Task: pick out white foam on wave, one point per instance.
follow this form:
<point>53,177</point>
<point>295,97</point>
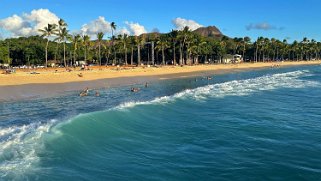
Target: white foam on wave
<point>234,88</point>
<point>19,148</point>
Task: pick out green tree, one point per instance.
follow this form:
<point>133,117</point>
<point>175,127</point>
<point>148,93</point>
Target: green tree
<point>140,41</point>
<point>100,37</point>
<point>173,36</point>
<point>86,44</point>
<point>63,35</point>
<point>61,24</point>
<point>75,40</point>
<point>113,28</point>
<point>124,41</point>
<point>162,44</point>
<point>48,31</point>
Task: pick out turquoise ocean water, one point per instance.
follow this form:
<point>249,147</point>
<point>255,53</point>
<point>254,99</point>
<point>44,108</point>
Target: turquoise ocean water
<point>256,125</point>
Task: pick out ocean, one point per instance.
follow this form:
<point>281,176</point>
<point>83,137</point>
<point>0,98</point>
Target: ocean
<point>253,125</point>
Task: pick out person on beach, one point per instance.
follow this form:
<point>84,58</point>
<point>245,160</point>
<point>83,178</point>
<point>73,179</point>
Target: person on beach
<point>146,84</point>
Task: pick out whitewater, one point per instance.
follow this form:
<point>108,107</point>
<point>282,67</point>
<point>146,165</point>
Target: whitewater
<point>262,124</point>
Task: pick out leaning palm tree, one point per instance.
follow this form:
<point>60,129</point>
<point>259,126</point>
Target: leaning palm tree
<point>113,28</point>
<point>47,31</point>
<point>100,36</point>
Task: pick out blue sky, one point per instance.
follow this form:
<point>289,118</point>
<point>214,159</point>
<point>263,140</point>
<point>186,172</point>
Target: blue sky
<point>290,19</point>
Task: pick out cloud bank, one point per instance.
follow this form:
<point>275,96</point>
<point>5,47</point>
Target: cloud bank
<point>94,27</point>
<point>28,23</point>
<point>262,26</point>
<point>180,23</point>
<point>102,25</point>
<point>135,28</point>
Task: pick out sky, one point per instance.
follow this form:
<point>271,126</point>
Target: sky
<point>281,19</point>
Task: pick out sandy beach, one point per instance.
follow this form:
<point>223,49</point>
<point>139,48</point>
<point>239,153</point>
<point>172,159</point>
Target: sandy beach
<point>29,83</point>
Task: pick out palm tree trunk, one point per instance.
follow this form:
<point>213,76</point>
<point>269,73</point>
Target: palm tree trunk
<point>99,54</point>
<point>243,56</point>
<point>85,54</point>
<point>180,54</point>
<point>57,49</point>
<point>74,57</point>
<point>138,55</point>
<point>125,55</point>
<point>132,57</point>
<point>256,51</point>
<point>163,56</point>
<point>65,64</point>
<point>174,53</point>
<point>153,54</point>
<point>47,53</point>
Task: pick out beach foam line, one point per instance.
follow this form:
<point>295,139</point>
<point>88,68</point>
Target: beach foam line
<point>19,148</point>
<point>234,88</point>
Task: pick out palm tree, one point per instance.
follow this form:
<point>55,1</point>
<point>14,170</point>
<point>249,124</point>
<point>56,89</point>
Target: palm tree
<point>124,40</point>
<point>61,24</point>
<point>258,44</point>
<point>173,34</point>
<point>63,35</point>
<point>245,42</point>
<point>75,40</point>
<point>162,44</point>
<point>47,31</point>
<point>100,36</point>
<point>198,47</point>
<point>113,28</point>
<point>86,43</point>
<point>132,43</point>
<point>183,38</point>
<point>140,40</point>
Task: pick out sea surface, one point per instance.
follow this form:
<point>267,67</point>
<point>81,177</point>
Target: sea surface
<point>255,125</point>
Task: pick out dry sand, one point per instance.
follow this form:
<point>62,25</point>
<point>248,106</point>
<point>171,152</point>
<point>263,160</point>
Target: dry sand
<point>23,84</point>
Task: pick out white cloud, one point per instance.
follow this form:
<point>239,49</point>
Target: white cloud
<point>180,23</point>
<point>123,31</point>
<point>96,26</point>
<point>29,23</point>
<point>102,25</point>
<point>135,28</point>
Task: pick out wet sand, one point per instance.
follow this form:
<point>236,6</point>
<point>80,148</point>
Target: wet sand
<point>52,82</point>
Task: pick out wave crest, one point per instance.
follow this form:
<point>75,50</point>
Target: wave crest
<point>234,88</point>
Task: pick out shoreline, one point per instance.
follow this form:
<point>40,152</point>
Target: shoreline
<point>48,83</point>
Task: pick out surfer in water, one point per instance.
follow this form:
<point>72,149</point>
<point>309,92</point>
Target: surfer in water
<point>85,92</point>
<point>134,89</point>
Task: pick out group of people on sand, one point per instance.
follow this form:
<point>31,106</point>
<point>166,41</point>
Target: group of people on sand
<point>85,92</point>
